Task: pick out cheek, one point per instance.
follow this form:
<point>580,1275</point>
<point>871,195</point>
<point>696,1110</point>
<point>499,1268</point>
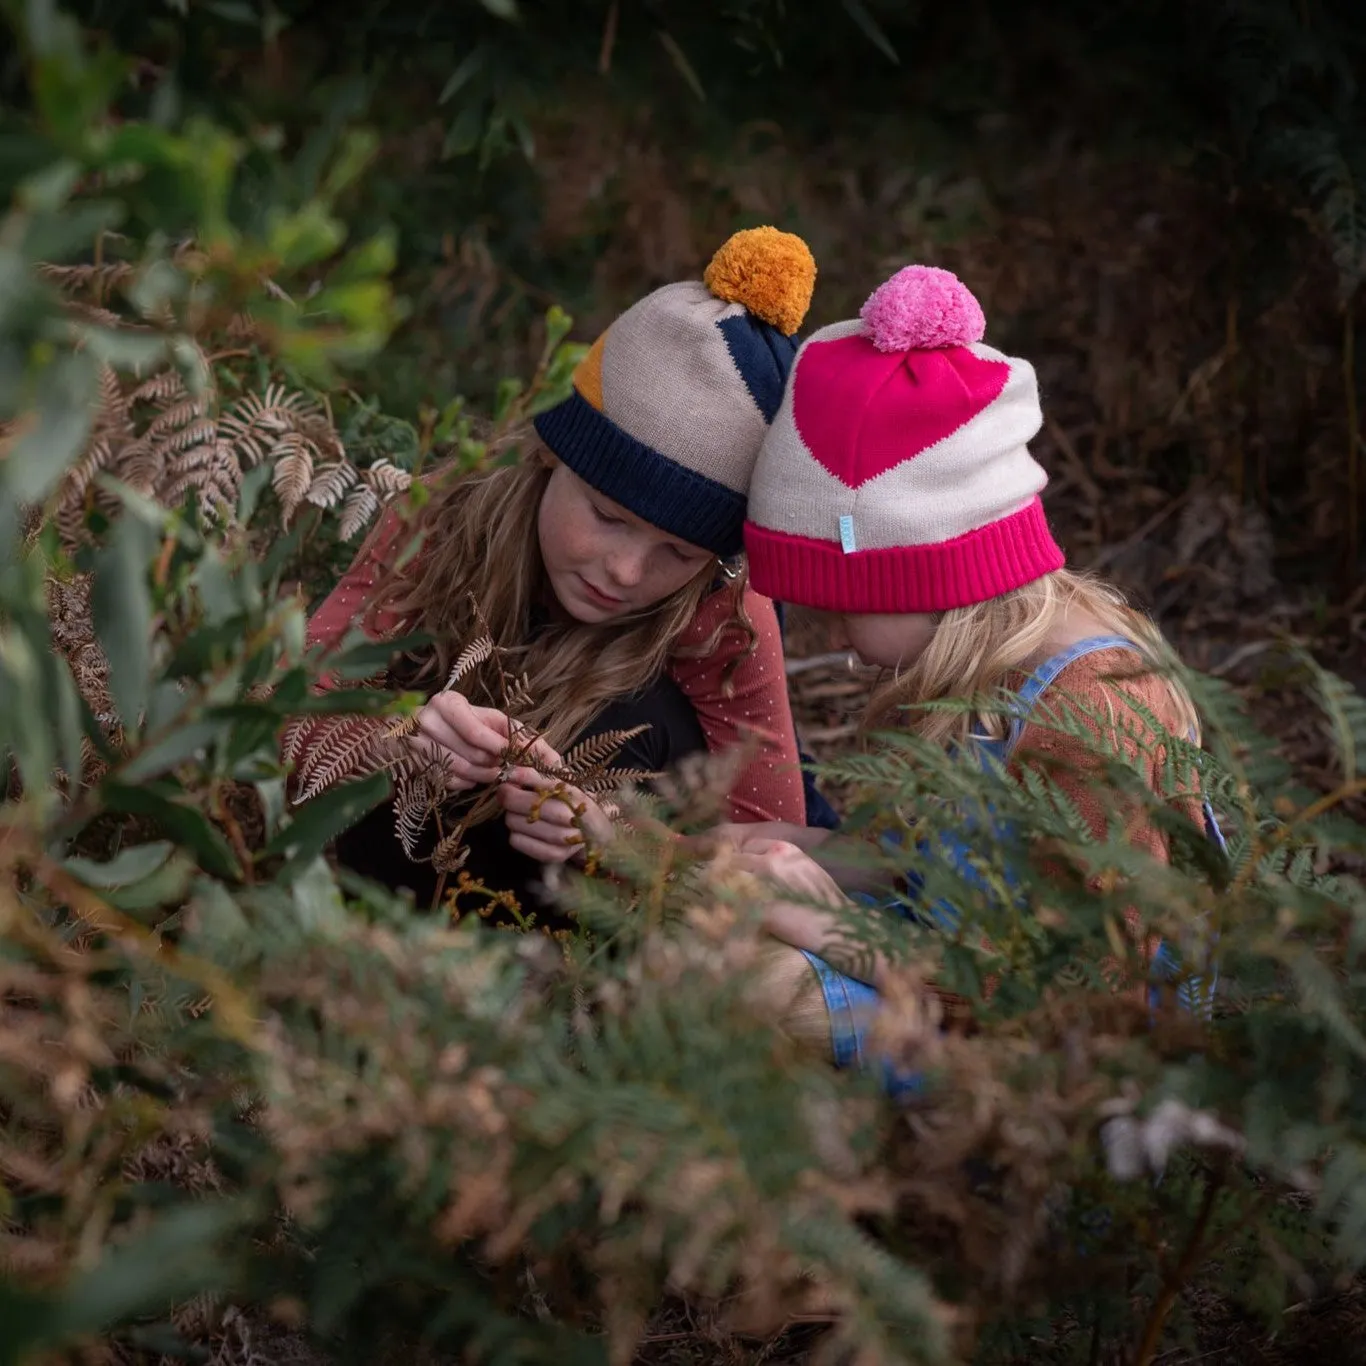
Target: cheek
<point>562,531</point>
<point>887,644</point>
<point>671,574</point>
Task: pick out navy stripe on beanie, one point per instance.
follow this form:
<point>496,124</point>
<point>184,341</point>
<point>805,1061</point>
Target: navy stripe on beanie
<point>675,499</point>
<point>762,355</point>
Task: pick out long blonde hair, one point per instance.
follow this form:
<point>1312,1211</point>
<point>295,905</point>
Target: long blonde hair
<point>480,545</point>
<point>976,650</point>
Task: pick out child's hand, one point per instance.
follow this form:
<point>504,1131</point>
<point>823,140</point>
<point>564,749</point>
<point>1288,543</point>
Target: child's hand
<point>551,829</point>
<point>790,869</point>
<point>742,834</point>
<point>468,741</point>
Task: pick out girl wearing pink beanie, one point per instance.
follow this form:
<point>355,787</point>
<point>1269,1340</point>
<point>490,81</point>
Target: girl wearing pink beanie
<point>895,491</point>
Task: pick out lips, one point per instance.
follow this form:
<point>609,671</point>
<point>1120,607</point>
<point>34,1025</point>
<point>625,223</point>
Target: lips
<point>598,596</point>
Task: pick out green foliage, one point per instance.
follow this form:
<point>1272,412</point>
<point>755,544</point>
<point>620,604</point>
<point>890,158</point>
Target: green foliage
<point>226,1072</point>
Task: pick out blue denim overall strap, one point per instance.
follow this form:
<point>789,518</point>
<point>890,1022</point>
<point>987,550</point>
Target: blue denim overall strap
<point>1193,994</point>
<point>851,1003</point>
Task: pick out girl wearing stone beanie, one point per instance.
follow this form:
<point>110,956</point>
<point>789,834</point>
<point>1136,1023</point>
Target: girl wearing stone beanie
<point>895,492</point>
<point>606,562</point>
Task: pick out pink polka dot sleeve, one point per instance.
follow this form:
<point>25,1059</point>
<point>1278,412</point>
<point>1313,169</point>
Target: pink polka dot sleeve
<point>755,710</point>
<point>345,606</point>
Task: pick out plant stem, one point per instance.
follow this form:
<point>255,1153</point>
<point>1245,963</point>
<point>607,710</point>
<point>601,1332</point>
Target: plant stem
<point>1173,1282</point>
<point>1349,369</point>
<point>235,836</point>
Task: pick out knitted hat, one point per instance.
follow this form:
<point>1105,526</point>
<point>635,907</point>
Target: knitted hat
<point>671,403</point>
<point>896,475</point>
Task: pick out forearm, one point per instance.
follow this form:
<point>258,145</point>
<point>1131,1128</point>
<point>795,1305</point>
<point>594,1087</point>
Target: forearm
<point>817,931</point>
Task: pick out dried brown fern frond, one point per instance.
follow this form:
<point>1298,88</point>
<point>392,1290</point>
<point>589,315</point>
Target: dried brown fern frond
<point>386,478</point>
<point>519,696</point>
<point>470,658</point>
<point>357,745</point>
<point>417,797</point>
<point>588,756</point>
<point>612,779</point>
<point>293,474</point>
<point>334,749</point>
<point>403,727</point>
<point>330,484</point>
<point>360,507</point>
<point>451,853</point>
<point>166,435</point>
<point>98,278</point>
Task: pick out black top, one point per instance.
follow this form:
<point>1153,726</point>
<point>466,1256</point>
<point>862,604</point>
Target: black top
<point>372,848</point>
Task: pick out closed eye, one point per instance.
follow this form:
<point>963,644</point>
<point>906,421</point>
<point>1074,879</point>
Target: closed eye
<point>604,517</point>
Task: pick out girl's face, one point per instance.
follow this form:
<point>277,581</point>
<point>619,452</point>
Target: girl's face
<point>603,561</point>
<point>890,641</point>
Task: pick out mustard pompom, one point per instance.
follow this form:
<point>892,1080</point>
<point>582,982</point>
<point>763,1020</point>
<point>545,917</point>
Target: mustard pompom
<point>771,273</point>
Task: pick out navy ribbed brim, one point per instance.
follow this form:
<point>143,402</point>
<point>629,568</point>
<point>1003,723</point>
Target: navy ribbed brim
<point>664,493</point>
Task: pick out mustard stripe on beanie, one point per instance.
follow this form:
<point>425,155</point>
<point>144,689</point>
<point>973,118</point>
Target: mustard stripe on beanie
<point>672,402</point>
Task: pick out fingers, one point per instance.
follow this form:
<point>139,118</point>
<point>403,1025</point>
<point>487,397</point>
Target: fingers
<point>540,751</point>
<point>465,761</point>
<point>536,807</point>
<point>530,807</point>
<point>479,733</point>
<point>460,774</point>
<point>790,868</point>
<point>542,850</point>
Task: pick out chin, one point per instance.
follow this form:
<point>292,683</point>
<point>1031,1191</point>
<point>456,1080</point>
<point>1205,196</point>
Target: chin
<point>582,608</point>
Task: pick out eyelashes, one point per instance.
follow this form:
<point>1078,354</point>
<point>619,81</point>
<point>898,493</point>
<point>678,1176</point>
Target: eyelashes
<point>682,554</point>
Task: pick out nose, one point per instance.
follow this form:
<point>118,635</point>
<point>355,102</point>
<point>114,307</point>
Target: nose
<point>626,565</point>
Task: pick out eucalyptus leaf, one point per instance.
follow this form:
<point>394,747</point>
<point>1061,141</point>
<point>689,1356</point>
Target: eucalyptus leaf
<point>130,865</point>
<point>184,823</point>
<point>171,750</point>
<point>24,709</point>
<point>164,887</point>
<point>216,921</point>
<point>121,605</point>
<point>317,822</point>
<point>62,411</point>
<point>254,484</point>
<point>175,1258</point>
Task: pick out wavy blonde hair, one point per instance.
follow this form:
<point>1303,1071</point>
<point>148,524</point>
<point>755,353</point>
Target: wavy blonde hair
<point>977,650</point>
<point>479,544</point>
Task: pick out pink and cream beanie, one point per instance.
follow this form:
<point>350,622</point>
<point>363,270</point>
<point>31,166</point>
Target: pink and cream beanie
<point>896,476</point>
<point>671,404</point>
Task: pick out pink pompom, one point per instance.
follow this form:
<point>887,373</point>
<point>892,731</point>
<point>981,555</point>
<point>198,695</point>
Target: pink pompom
<point>922,308</point>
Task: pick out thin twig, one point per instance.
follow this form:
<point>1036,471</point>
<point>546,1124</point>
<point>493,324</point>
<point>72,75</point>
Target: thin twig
<point>1168,509</point>
<point>801,666</point>
<point>1173,1282</point>
<point>609,39</point>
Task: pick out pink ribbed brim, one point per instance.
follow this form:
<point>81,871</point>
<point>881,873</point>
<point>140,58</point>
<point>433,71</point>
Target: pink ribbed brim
<point>986,563</point>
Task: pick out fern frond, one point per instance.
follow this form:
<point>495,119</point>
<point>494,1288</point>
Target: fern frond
<point>415,798</point>
<point>386,478</point>
<point>519,696</point>
<point>451,853</point>
<point>327,737</point>
<point>360,506</point>
<point>159,388</point>
<point>295,732</point>
<point>469,658</point>
<point>102,277</point>
<point>178,415</point>
<point>594,753</point>
<point>293,473</point>
<point>330,484</point>
<point>614,778</point>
